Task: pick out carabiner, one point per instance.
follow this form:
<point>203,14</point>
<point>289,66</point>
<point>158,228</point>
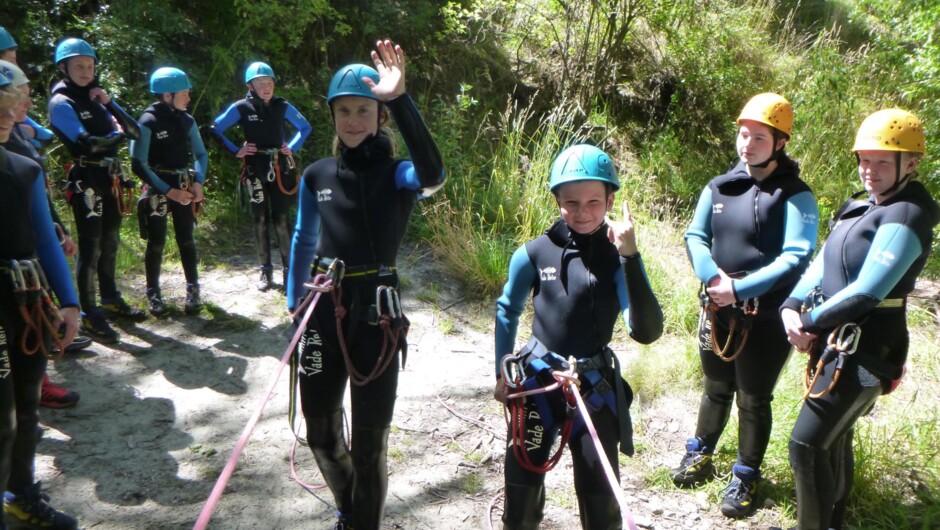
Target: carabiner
<point>846,344</point>
<point>272,174</point>
<point>507,372</point>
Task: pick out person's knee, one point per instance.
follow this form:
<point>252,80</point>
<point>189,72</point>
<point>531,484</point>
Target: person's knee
<point>719,391</point>
<point>754,403</point>
<point>803,456</point>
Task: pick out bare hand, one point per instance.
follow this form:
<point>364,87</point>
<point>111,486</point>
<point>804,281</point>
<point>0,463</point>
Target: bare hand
<point>622,233</point>
<point>247,149</point>
<point>98,94</point>
<point>500,393</point>
<point>69,316</point>
<point>197,192</point>
<point>68,246</point>
<point>798,337</point>
<point>722,291</point>
<point>389,61</point>
<point>286,150</point>
<point>181,196</point>
<point>28,130</point>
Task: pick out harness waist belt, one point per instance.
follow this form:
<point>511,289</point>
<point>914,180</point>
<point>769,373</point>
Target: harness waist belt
<point>357,271</point>
<point>891,303</point>
<point>93,162</point>
<point>180,171</point>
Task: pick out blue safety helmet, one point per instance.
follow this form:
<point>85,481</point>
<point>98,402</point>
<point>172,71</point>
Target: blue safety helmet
<point>4,81</point>
<point>583,162</point>
<point>73,47</point>
<point>6,40</point>
<point>348,82</point>
<point>259,69</point>
<point>168,80</point>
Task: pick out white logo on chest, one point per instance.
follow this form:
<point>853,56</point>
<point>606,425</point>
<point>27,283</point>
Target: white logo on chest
<point>84,115</point>
<point>548,274</point>
<point>325,195</point>
<point>253,117</point>
<point>717,208</point>
<point>162,135</point>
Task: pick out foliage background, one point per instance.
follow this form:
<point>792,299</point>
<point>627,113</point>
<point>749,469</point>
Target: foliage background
<point>506,84</point>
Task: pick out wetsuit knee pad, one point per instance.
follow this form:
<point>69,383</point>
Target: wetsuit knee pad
<point>369,446</point>
<point>523,507</point>
<point>600,512</point>
<point>754,403</point>
<point>804,457</point>
<point>326,432</point>
<point>719,391</point>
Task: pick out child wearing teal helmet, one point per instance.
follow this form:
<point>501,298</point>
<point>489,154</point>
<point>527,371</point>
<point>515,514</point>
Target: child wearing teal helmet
<point>269,171</point>
<point>583,274</point>
<point>172,160</point>
<point>354,209</point>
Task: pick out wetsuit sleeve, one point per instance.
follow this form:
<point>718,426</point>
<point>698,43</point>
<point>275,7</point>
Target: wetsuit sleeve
<point>811,279</point>
<point>510,305</point>
<point>301,124</point>
<point>129,124</point>
<point>221,123</point>
<point>48,249</point>
<point>698,239</point>
<point>65,120</point>
<point>426,171</point>
<point>304,246</point>
<point>140,154</point>
<point>43,135</point>
<point>199,151</point>
<point>893,250</point>
<point>641,311</point>
<point>801,222</point>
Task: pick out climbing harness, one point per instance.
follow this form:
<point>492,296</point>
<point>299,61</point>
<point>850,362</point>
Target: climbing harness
<point>321,283</point>
<point>186,179</point>
<point>386,313</point>
<point>741,315</point>
<point>274,173</point>
<point>566,379</point>
<point>843,341</point>
<point>40,315</point>
<point>122,189</point>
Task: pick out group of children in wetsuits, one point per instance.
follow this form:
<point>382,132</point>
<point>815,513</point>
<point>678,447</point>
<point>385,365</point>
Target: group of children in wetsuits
<point>750,242</point>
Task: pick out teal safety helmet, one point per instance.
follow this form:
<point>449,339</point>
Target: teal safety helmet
<point>583,162</point>
<point>168,80</point>
<point>6,40</point>
<point>13,73</point>
<point>258,69</point>
<point>73,47</point>
<point>348,82</point>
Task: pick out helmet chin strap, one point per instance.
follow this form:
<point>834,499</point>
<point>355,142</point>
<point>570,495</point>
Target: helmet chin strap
<point>900,180</point>
<point>773,156</point>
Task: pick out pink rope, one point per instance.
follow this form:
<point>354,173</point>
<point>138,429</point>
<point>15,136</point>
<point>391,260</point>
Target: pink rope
<point>321,284</point>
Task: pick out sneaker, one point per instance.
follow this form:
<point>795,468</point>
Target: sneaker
<point>266,281</point>
<point>96,326</point>
<point>78,343</point>
<point>117,308</point>
<point>737,498</point>
<point>29,509</point>
<point>696,466</point>
<point>193,300</point>
<point>56,397</point>
<point>158,307</point>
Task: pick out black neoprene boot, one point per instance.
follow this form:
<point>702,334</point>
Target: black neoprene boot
<point>325,436</point>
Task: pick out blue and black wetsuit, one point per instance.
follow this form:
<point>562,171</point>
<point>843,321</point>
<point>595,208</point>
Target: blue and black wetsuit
<point>263,124</point>
<point>163,159</point>
<point>863,275</point>
<point>42,136</point>
<point>355,208</point>
<point>28,235</point>
<point>92,133</point>
<point>579,286</point>
<point>762,233</point>
<point>20,144</point>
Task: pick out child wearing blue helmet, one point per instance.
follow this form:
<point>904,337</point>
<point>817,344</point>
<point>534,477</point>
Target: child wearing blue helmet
<point>172,160</point>
<point>583,274</point>
<point>354,210</point>
<point>269,170</point>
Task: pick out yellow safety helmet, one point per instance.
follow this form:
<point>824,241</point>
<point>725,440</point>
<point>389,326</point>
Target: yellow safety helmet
<point>770,109</point>
<point>891,130</point>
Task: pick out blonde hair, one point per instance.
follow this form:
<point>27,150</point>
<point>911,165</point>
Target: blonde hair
<point>10,97</point>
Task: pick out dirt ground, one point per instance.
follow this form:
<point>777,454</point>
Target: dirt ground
<point>161,411</point>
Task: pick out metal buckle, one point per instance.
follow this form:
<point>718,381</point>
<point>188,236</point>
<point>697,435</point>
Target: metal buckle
<point>846,342</point>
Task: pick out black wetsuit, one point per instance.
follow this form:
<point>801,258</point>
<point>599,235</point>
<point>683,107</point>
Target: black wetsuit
<point>20,144</point>
<point>762,233</point>
<point>92,134</point>
<point>863,274</point>
<point>580,286</point>
<point>28,234</point>
<point>356,208</point>
<point>263,125</point>
<point>162,158</point>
